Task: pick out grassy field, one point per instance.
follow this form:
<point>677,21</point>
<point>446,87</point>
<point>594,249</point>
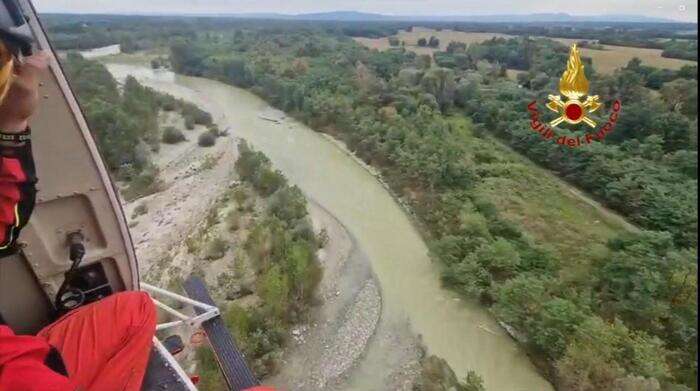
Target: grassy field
<point>614,57</point>
<point>548,209</point>
<point>411,38</point>
<point>605,61</point>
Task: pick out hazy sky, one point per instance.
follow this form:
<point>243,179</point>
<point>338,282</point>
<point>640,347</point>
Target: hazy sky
<point>685,10</point>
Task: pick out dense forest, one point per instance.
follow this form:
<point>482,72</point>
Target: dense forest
<point>631,315</point>
<point>626,315</point>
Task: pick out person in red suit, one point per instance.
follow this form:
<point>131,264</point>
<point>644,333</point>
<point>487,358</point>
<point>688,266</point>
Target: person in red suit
<point>103,346</point>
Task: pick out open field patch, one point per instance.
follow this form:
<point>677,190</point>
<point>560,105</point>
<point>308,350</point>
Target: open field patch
<point>605,61</point>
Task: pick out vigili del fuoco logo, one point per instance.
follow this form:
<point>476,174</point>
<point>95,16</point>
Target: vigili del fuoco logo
<point>573,109</point>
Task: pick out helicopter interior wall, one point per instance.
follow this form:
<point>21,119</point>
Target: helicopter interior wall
<point>19,291</point>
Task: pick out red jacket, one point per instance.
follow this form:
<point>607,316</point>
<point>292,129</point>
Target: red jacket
<point>22,364</point>
<point>22,358</point>
<point>17,192</point>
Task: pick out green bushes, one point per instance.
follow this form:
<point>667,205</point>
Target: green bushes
<point>233,220</point>
<point>172,135</point>
<point>256,168</point>
<point>206,139</point>
<point>436,375</point>
<point>116,120</point>
<point>125,124</point>
<point>215,248</point>
<point>259,337</point>
<point>602,354</point>
<point>140,209</point>
<point>280,245</point>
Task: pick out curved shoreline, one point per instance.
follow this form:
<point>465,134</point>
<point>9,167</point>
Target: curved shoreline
<point>337,336</point>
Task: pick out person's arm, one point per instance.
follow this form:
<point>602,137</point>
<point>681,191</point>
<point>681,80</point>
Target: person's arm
<point>23,359</point>
<point>22,364</point>
<point>17,174</point>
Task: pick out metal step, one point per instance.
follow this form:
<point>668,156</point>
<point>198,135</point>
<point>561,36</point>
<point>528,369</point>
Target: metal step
<point>232,363</point>
<point>161,376</point>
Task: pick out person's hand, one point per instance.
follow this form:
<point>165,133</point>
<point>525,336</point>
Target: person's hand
<point>23,96</point>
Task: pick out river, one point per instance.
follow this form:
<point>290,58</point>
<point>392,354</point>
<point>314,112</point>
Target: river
<point>461,332</point>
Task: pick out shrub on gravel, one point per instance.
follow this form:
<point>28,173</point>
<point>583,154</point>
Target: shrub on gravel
<point>172,135</point>
<point>215,249</point>
<point>206,139</point>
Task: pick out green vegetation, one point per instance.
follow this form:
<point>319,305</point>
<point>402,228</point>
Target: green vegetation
<point>139,210</point>
<point>433,42</point>
<point>206,139</point>
<point>125,123</point>
<point>172,135</point>
<point>280,247</point>
<point>407,118</point>
<point>604,308</point>
<point>684,49</point>
<point>436,375</point>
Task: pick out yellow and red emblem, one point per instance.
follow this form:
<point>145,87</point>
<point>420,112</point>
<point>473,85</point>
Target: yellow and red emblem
<point>574,86</point>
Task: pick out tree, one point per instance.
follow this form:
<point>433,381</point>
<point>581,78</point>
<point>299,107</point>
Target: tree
<point>423,61</point>
<point>520,298</point>
<point>675,129</point>
<point>454,47</point>
<point>274,290</point>
<point>288,204</point>
<point>551,330</point>
<point>681,95</point>
<point>268,181</point>
<point>500,257</point>
<point>602,352</point>
<point>436,375</point>
<point>422,42</point>
<point>440,82</point>
<point>434,42</point>
<point>237,72</point>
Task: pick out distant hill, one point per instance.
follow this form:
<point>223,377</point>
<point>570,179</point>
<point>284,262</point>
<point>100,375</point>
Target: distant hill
<point>350,16</point>
<point>355,16</point>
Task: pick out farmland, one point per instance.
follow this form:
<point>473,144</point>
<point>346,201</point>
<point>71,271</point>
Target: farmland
<point>605,61</point>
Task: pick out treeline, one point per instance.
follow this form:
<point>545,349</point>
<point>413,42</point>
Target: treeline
<point>617,325</point>
<point>124,121</point>
<point>684,48</point>
<point>145,32</point>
